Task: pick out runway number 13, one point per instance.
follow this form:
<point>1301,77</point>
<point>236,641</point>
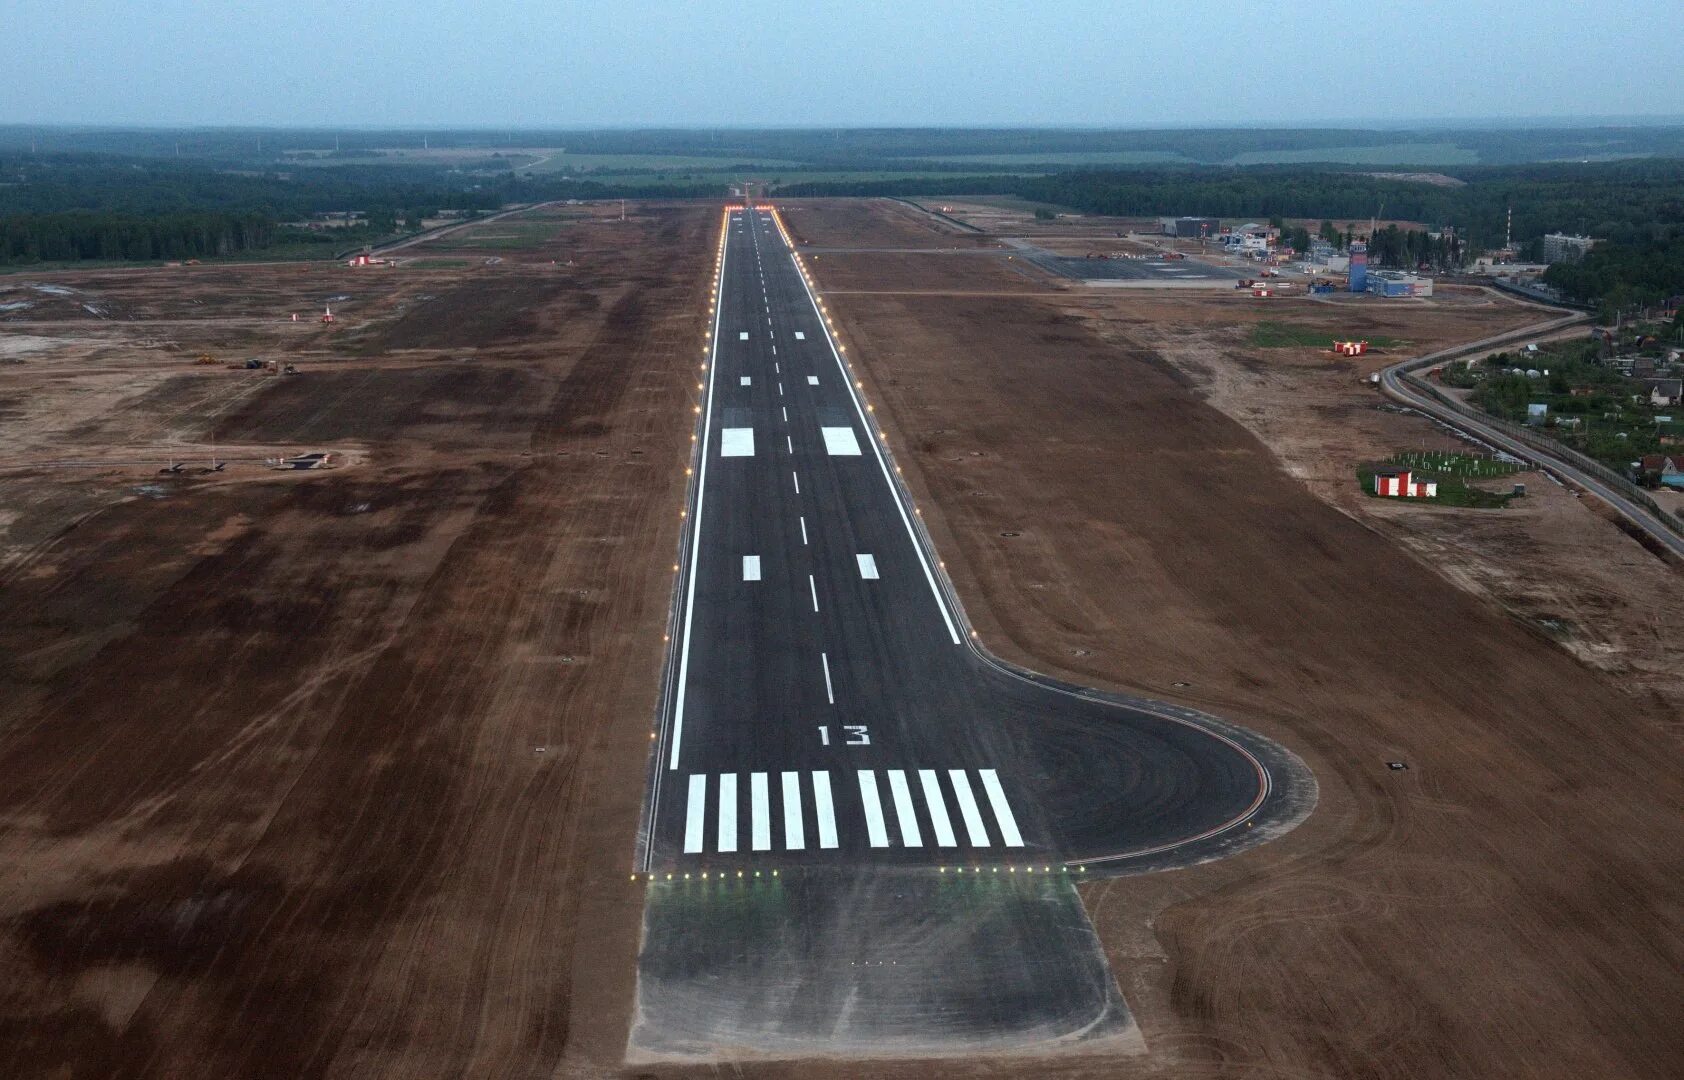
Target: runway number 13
<point>853,735</point>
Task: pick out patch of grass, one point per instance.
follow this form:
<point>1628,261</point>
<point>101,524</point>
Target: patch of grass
<point>1278,335</point>
<point>1452,478</point>
<point>436,264</point>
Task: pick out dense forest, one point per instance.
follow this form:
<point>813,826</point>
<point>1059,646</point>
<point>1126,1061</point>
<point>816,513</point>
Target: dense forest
<point>923,148</point>
<point>1624,275</point>
<point>73,207</point>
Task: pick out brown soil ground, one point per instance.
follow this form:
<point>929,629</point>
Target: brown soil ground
<point>339,772</point>
<point>1509,904</point>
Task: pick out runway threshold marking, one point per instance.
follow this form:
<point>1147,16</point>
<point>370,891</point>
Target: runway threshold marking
<point>826,808</point>
<point>795,837</point>
<point>939,820</point>
<point>1002,809</point>
<point>876,835</point>
<point>905,816</point>
<point>760,819</point>
<point>728,811</point>
<point>968,808</point>
<point>694,813</point>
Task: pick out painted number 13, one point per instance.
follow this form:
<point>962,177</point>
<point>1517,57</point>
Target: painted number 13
<point>852,735</point>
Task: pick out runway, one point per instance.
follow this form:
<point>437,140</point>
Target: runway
<point>825,705</point>
<point>830,728</point>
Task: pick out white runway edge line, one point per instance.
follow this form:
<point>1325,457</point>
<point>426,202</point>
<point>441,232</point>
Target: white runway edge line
<point>876,448</point>
<point>696,524</point>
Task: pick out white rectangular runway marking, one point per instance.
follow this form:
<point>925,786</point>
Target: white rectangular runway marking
<point>728,811</point>
<point>785,412</point>
<point>826,809</point>
<point>905,816</point>
<point>939,820</point>
<point>840,441</point>
<point>814,589</point>
<point>759,808</point>
<point>797,480</point>
<point>868,567</point>
<point>830,694</point>
<point>812,380</point>
<point>780,388</point>
<point>1002,808</point>
<point>874,830</point>
<point>789,444</point>
<point>744,381</point>
<point>743,336</point>
<point>694,812</point>
<point>736,442</point>
<point>968,808</point>
<point>795,836</point>
<point>776,370</point>
<point>799,336</point>
<point>803,530</point>
<point>751,568</point>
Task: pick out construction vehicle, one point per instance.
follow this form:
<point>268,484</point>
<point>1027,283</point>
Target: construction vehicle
<point>204,358</point>
<point>290,369</point>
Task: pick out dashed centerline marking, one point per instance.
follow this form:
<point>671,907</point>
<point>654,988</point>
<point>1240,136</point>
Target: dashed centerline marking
<point>813,588</point>
<point>797,480</point>
<point>803,530</point>
<point>829,691</point>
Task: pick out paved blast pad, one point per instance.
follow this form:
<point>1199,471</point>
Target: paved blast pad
<point>880,963</point>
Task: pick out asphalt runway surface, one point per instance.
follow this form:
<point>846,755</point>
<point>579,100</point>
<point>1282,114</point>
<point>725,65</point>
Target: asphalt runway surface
<point>829,728</point>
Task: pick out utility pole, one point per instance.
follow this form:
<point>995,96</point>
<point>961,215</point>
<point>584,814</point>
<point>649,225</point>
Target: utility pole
<point>1508,231</point>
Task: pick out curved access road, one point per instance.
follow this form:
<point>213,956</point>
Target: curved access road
<point>1398,383</point>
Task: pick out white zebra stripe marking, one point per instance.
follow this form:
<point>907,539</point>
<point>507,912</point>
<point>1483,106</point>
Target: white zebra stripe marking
<point>905,816</point>
<point>760,811</point>
<point>968,808</point>
<point>795,836</point>
<point>694,813</point>
<point>876,834</point>
<point>728,811</point>
<point>1002,808</point>
<point>939,820</point>
<point>826,808</point>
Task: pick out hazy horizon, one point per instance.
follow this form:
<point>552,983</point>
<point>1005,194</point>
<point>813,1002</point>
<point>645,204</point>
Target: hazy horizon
<point>1059,64</point>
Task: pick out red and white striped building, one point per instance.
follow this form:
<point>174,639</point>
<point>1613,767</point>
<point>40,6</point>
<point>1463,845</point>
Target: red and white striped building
<point>1400,482</point>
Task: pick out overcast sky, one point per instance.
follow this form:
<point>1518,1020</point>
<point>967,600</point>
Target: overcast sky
<point>505,63</point>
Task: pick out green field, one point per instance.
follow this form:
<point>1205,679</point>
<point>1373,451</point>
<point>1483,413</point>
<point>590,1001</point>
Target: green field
<point>1451,472</point>
<point>1440,153</point>
<point>436,264</point>
<point>1278,335</point>
<point>1088,157</point>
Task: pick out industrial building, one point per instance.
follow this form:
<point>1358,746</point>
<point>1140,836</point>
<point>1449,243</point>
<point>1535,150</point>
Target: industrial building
<point>1394,283</point>
<point>1190,228</point>
<point>1560,247</point>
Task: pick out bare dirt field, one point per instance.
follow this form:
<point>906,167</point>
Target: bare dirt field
<point>338,772</point>
<point>1506,906</point>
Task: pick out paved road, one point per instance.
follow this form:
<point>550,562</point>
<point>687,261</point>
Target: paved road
<point>824,705</point>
